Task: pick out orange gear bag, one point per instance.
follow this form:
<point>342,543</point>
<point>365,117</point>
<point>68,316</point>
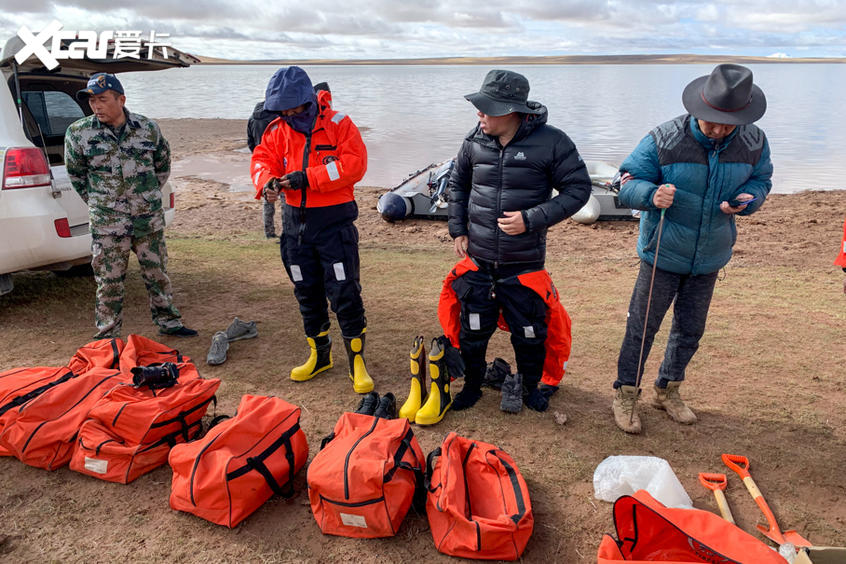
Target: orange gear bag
<point>364,479</point>
<point>42,431</point>
<point>130,431</point>
<point>103,455</point>
<point>240,463</point>
<point>649,532</point>
<point>478,503</point>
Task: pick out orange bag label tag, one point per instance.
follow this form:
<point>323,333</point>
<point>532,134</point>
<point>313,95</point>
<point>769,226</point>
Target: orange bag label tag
<point>96,465</point>
<point>351,520</point>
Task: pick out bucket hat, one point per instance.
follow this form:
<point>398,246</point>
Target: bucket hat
<point>726,96</point>
<point>503,92</point>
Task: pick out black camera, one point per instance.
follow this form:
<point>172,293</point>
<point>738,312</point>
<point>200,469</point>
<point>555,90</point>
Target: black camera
<point>155,376</point>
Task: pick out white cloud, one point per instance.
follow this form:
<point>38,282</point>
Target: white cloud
<point>387,28</point>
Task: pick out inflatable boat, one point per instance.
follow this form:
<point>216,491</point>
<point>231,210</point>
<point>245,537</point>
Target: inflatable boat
<point>424,195</point>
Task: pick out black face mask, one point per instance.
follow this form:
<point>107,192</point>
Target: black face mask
<point>303,121</point>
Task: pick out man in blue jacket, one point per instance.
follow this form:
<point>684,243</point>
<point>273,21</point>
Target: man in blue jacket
<point>696,172</point>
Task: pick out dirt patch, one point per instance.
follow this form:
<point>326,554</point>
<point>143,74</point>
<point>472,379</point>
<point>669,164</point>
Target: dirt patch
<point>768,381</point>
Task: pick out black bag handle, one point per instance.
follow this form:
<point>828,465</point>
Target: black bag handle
<point>261,468</point>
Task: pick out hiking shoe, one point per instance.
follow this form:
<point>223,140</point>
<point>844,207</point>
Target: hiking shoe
<point>496,373</point>
<point>670,401</point>
<point>218,349</point>
<point>625,409</point>
<point>512,393</point>
<point>368,403</point>
<point>238,330</point>
<point>178,332</point>
<point>387,407</point>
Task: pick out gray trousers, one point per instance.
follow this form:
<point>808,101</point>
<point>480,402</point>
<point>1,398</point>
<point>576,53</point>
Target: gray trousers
<point>692,295</point>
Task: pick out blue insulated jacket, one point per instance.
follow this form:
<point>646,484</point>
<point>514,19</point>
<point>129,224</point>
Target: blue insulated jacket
<point>697,236</point>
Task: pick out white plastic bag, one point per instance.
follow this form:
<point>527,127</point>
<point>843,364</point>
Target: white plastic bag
<point>624,475</point>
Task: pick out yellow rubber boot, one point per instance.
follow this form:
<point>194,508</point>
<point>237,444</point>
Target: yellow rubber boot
<point>418,378</point>
<point>362,382</point>
<point>439,399</point>
<point>319,358</point>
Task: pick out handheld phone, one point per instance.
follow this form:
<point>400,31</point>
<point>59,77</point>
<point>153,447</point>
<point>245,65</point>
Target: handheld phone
<point>736,203</point>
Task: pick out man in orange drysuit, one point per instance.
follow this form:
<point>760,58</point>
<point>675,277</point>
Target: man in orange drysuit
<point>315,155</point>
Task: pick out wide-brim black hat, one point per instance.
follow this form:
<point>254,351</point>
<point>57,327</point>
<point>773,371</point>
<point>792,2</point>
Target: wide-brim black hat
<point>503,92</point>
<point>725,96</point>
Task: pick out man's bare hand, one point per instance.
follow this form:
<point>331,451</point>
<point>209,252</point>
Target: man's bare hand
<point>664,196</point>
<point>728,210</point>
<point>512,223</point>
<point>460,245</point>
<point>271,190</point>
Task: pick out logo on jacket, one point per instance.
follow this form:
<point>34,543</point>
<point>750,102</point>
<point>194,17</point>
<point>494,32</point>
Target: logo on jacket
<point>520,156</point>
<point>329,158</point>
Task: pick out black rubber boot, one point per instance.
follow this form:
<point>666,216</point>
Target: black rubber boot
<point>469,394</point>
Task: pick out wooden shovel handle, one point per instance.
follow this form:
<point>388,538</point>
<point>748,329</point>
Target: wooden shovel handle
<point>740,464</point>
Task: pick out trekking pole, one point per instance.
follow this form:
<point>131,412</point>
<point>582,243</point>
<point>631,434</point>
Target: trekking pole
<point>646,316</point>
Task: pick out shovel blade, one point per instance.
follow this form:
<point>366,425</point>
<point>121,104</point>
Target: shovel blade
<point>795,538</point>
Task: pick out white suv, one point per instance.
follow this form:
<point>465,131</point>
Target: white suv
<point>43,221</point>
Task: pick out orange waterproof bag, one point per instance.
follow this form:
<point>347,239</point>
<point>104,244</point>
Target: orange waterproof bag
<point>240,463</point>
<point>42,431</point>
<point>141,415</point>
<point>478,503</point>
<point>102,455</point>
<point>363,480</point>
<point>651,532</point>
<point>130,430</point>
<point>20,385</point>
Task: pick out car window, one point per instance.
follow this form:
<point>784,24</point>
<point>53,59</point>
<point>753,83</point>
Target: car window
<point>54,111</point>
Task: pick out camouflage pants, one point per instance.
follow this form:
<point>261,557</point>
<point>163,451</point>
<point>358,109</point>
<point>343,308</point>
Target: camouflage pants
<point>110,256</point>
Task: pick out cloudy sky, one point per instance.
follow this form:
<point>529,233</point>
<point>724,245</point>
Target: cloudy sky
<point>380,29</point>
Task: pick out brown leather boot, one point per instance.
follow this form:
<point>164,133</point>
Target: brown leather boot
<point>670,401</point>
<point>625,409</point>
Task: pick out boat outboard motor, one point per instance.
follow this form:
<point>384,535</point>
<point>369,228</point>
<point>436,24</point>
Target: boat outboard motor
<point>393,207</point>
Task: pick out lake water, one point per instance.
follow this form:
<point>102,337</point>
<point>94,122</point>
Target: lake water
<point>416,115</point>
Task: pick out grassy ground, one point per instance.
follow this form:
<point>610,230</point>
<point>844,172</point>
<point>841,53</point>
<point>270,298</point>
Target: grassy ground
<point>767,383</point>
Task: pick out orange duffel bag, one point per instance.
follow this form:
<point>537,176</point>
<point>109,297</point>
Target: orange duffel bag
<point>131,430</point>
<point>140,415</point>
<point>42,431</point>
<point>478,503</point>
<point>364,479</point>
<point>650,532</point>
<point>240,463</point>
<point>102,455</point>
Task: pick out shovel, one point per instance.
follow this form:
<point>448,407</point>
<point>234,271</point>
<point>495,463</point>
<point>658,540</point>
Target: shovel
<point>740,464</point>
<point>717,484</point>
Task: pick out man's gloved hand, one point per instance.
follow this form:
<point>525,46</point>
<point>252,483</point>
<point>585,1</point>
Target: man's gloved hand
<point>296,180</point>
<point>271,189</point>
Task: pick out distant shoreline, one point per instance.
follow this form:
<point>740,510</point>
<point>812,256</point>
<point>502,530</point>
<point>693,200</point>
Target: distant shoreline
<point>679,59</point>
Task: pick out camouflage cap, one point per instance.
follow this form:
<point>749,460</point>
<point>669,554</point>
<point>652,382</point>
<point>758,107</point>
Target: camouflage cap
<point>99,83</point>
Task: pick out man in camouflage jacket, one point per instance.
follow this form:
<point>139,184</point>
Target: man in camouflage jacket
<point>118,161</point>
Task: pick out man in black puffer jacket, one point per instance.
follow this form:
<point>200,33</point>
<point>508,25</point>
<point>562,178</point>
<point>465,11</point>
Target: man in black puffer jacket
<point>500,207</point>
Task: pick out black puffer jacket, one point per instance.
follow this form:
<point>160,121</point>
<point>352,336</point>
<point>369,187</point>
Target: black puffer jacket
<point>489,179</point>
